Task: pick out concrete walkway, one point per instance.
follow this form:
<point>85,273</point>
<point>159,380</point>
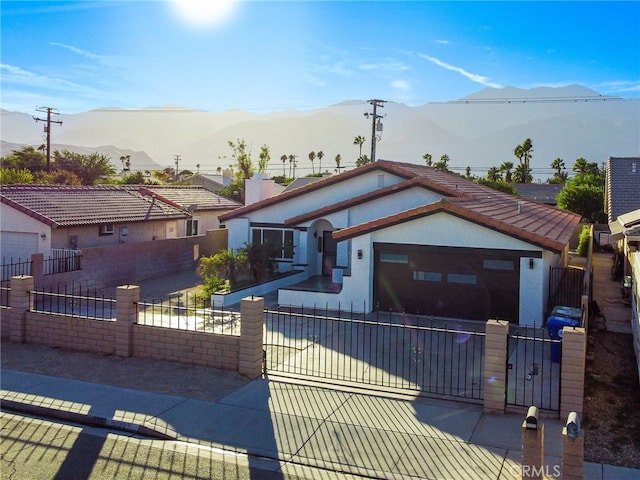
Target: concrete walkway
<point>286,425</point>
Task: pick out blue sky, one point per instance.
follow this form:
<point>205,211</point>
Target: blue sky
<point>265,55</point>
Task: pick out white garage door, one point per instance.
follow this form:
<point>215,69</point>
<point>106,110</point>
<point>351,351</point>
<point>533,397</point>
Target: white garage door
<point>16,246</point>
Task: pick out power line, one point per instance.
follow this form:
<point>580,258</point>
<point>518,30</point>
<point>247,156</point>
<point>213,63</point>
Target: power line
<point>376,124</point>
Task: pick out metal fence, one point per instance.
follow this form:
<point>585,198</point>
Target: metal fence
<point>533,368</point>
<point>386,351</point>
<point>73,300</point>
<point>61,261</point>
<point>13,267</point>
<point>188,313</point>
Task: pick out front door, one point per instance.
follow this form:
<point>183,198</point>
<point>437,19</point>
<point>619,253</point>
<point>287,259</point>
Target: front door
<point>329,251</point>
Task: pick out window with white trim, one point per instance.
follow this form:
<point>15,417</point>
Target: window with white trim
<point>192,226</point>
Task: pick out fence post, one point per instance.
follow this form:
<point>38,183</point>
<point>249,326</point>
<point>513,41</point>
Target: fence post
<point>19,301</point>
<point>37,266</point>
<point>574,350</point>
<point>495,366</point>
<point>251,337</point>
<point>127,298</point>
<point>572,449</point>
<point>532,446</point>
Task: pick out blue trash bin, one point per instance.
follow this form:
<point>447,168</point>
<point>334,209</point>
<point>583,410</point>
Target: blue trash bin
<point>561,317</point>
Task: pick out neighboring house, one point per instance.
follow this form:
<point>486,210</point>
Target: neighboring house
<point>405,237</point>
<point>539,192</point>
<point>204,206</point>
<point>300,182</point>
<point>210,182</point>
<point>39,218</point>
<point>622,186</point>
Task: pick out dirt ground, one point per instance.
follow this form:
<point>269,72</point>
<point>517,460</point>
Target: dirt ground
<point>168,378</point>
<point>612,400</point>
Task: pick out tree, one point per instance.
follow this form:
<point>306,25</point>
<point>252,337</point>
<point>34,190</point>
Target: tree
<point>242,158</point>
<point>427,159</point>
<point>467,172</point>
<point>126,162</point>
<point>292,163</point>
<point>523,153</point>
<point>226,264</point>
<point>263,158</point>
<point>312,157</point>
<point>584,195</point>
<point>26,158</point>
<point>338,160</point>
<point>506,168</point>
<point>10,176</point>
<point>582,167</point>
<point>521,174</point>
<point>320,154</point>
<point>560,176</point>
<point>442,164</point>
<point>89,168</point>
<point>359,140</point>
<point>57,177</point>
<point>363,160</point>
<point>499,185</point>
<point>284,161</point>
<point>135,178</point>
<point>493,174</point>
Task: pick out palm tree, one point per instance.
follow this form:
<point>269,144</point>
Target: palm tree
<point>197,168</point>
<point>558,165</point>
<point>427,159</point>
<point>312,157</point>
<point>493,174</point>
<point>320,154</point>
<point>442,164</point>
<point>359,140</point>
<point>522,174</point>
<point>284,160</point>
<point>338,160</point>
<point>523,153</point>
<point>506,168</point>
<point>292,163</point>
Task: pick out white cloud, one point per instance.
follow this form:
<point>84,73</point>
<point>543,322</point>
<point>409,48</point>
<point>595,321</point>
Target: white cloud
<point>387,65</point>
<point>443,42</point>
<point>401,85</point>
<point>481,79</point>
<point>18,76</point>
<point>79,51</point>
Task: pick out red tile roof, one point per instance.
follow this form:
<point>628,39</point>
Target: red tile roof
<point>184,196</point>
<point>531,221</point>
<point>64,206</point>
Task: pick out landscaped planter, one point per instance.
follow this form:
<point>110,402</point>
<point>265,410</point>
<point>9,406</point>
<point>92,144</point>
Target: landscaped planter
<point>233,297</point>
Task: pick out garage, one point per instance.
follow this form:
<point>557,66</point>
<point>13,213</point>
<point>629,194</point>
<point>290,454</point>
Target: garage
<point>449,282</point>
<point>18,245</point>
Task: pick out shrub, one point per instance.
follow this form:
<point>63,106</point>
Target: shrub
<point>583,241</point>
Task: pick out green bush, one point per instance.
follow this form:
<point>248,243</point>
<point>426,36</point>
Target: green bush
<point>583,241</point>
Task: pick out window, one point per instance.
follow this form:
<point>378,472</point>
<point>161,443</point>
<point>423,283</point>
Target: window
<point>394,258</point>
<point>192,227</point>
<point>427,276</point>
<point>279,238</point>
<point>462,278</point>
<point>490,264</point>
<point>106,229</point>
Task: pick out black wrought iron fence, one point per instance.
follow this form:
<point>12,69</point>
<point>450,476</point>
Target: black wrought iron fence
<point>13,267</point>
<point>61,261</point>
<point>74,300</point>
<point>387,351</point>
<point>188,313</point>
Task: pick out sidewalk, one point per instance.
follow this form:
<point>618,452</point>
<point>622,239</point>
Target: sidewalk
<point>343,431</point>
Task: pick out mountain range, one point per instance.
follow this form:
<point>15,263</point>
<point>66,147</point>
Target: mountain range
<point>478,131</point>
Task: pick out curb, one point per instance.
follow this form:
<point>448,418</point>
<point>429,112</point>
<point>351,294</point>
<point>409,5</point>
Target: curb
<point>89,420</point>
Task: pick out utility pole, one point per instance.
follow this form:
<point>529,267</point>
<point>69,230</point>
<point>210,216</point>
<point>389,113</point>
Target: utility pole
<point>177,159</point>
<point>47,129</point>
<point>375,124</point>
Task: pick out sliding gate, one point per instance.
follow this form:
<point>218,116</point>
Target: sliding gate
<point>380,351</point>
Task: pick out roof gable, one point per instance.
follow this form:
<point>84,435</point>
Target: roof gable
<point>622,186</point>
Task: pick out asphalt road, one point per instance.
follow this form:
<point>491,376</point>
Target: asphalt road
<point>39,448</point>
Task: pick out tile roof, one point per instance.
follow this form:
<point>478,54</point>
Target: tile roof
<point>184,196</point>
<point>539,192</point>
<point>64,206</point>
<point>531,221</point>
<point>622,186</point>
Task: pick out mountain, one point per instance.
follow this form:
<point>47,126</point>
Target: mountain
<point>479,131</point>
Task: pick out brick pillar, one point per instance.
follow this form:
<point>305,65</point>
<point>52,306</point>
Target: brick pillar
<point>251,337</point>
<point>127,298</point>
<point>495,366</point>
<point>574,350</point>
<point>572,453</point>
<point>37,266</point>
<point>19,301</point>
<point>533,452</point>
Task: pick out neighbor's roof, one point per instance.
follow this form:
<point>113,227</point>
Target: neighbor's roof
<point>186,196</point>
<point>623,186</point>
<point>539,192</point>
<point>626,225</point>
<point>531,221</point>
<point>65,206</point>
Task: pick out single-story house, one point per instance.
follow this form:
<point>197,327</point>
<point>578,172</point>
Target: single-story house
<point>405,237</point>
<point>41,218</point>
<point>539,192</point>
